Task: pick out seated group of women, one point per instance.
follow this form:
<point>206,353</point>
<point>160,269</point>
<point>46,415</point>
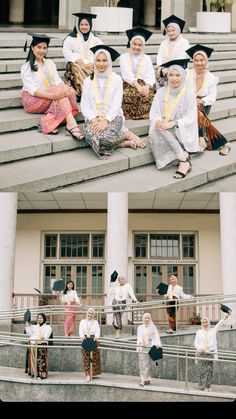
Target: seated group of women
<point>176,99</point>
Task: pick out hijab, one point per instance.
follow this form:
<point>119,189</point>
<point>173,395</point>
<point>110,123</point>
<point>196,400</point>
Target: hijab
<point>175,90</point>
<point>177,27</point>
<point>141,38</point>
<point>85,35</point>
<point>44,318</point>
<point>106,73</point>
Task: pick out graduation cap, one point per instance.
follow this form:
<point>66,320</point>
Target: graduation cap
<point>59,285</point>
<point>113,53</point>
<point>225,309</point>
<point>36,289</point>
<point>114,276</point>
<point>173,19</point>
<point>162,288</point>
<point>89,344</point>
<point>37,38</point>
<point>27,316</point>
<point>138,32</point>
<point>182,62</point>
<point>198,47</point>
<point>155,353</point>
<point>88,16</point>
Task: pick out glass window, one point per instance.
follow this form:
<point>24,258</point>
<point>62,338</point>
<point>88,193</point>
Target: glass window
<point>49,277</point>
<point>50,245</point>
<point>74,245</point>
<point>141,282</point>
<point>188,241</point>
<point>189,279</point>
<point>66,273</point>
<point>81,279</point>
<point>98,245</point>
<point>156,277</point>
<point>140,245</point>
<point>164,246</point>
<point>97,279</point>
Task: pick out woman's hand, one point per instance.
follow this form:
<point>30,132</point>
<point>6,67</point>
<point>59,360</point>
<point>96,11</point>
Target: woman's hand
<point>199,101</point>
<point>57,96</point>
<point>145,90</point>
<point>162,126</point>
<point>99,126</point>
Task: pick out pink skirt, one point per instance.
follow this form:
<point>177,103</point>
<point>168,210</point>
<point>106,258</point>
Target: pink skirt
<point>70,316</point>
<point>55,111</point>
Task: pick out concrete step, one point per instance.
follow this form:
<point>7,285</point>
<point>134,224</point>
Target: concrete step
<point>71,386</point>
<point>13,80</point>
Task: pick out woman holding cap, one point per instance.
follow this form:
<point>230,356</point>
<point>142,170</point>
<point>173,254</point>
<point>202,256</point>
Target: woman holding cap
<point>121,294</point>
<point>70,300</point>
<point>206,346</point>
<point>39,334</point>
<point>203,83</point>
<point>173,132</point>
<point>138,75</point>
<point>172,48</point>
<point>45,92</point>
<point>147,336</point>
<point>77,52</point>
<point>101,106</point>
<point>89,328</point>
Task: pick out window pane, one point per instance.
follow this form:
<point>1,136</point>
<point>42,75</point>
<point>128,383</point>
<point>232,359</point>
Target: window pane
<point>164,246</point>
<point>98,245</point>
<point>156,278</point>
<point>188,245</point>
<point>141,279</point>
<point>189,279</point>
<point>81,279</point>
<point>74,245</point>
<point>50,245</point>
<point>140,245</point>
<point>97,280</point>
<point>49,277</point>
<point>66,273</point>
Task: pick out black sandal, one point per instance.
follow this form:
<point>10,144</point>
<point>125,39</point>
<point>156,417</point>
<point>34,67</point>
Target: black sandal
<point>72,132</point>
<point>182,174</point>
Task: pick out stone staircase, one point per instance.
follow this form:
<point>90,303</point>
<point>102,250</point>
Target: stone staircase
<point>35,162</point>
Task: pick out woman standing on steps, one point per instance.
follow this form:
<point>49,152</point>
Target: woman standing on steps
<point>173,131</point>
<point>101,106</point>
<point>44,91</point>
<point>77,52</point>
<point>203,83</point>
<point>138,75</point>
<point>70,300</point>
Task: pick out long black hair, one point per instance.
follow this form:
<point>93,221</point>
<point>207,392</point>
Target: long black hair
<point>68,282</point>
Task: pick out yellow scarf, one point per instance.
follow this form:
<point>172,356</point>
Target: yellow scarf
<point>102,103</point>
<point>83,53</point>
<point>138,74</point>
<point>191,81</point>
<point>169,53</point>
<point>170,108</point>
<point>42,75</point>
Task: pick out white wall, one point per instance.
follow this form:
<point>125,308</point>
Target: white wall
<point>28,242</point>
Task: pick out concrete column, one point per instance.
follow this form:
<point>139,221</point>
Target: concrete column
<point>228,247</point>
<point>16,11</point>
<point>150,13</point>
<point>8,215</point>
<point>117,240</point>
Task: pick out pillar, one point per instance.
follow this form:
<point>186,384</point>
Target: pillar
<point>16,11</point>
<point>228,247</point>
<point>117,240</point>
<point>8,216</point>
<point>150,13</point>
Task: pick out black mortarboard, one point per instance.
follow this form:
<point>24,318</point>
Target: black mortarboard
<point>113,53</point>
<point>87,16</point>
<point>114,276</point>
<point>138,31</point>
<point>173,19</point>
<point>37,38</point>
<point>198,47</point>
<point>182,62</point>
<point>155,353</point>
<point>27,316</point>
<point>162,288</point>
<point>59,285</point>
<point>225,309</point>
<point>36,289</point>
<point>89,344</point>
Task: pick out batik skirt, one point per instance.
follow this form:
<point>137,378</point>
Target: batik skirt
<point>75,75</point>
<point>166,147</point>
<point>212,136</point>
<point>134,105</point>
<point>118,307</point>
<point>205,365</point>
<point>106,141</point>
<point>55,111</point>
<point>94,359</point>
<point>42,362</point>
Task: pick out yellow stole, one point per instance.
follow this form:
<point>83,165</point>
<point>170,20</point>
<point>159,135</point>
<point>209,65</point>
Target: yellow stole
<point>169,109</point>
<point>146,334</point>
<point>168,53</point>
<point>40,331</point>
<point>206,337</point>
<point>191,81</point>
<point>42,75</point>
<point>90,329</point>
<point>102,103</point>
<point>140,66</point>
<point>84,54</point>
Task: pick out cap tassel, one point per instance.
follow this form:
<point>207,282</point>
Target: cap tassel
<point>25,46</point>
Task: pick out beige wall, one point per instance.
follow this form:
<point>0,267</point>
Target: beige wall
<point>30,227</point>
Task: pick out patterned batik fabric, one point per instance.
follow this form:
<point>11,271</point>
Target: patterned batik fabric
<point>205,369</point>
<point>212,136</point>
<point>94,359</point>
<point>118,307</point>
<point>75,75</point>
<point>134,105</point>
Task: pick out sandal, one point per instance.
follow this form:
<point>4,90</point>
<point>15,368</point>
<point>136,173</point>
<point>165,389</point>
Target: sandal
<point>134,141</point>
<point>202,144</point>
<point>226,148</point>
<point>181,175</point>
<point>142,384</point>
<point>75,133</point>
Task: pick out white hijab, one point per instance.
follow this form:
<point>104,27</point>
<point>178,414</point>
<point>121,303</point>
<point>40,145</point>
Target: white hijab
<point>108,71</point>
